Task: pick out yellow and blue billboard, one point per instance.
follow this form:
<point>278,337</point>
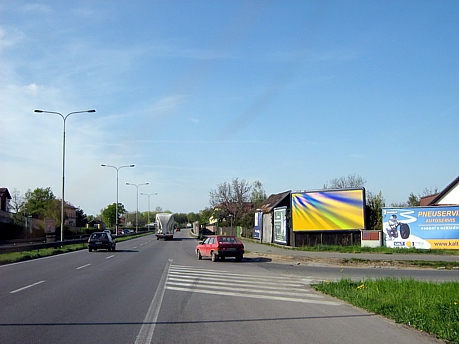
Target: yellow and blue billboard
<point>328,210</point>
<point>422,227</point>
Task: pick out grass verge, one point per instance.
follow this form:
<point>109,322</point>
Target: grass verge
<point>426,306</point>
<point>8,258</point>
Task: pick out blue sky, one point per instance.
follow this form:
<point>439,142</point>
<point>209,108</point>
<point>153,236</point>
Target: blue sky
<point>196,93</point>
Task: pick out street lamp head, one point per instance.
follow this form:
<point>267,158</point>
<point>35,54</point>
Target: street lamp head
<point>103,165</point>
<point>131,165</point>
<point>39,111</point>
<point>91,111</point>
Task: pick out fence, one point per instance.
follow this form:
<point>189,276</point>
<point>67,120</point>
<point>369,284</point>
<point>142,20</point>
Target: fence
<point>326,238</point>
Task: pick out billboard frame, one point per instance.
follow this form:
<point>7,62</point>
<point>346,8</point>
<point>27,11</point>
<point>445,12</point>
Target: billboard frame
<point>328,214</point>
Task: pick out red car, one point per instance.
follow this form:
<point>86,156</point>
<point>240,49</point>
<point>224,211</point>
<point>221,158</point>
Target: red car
<point>219,247</point>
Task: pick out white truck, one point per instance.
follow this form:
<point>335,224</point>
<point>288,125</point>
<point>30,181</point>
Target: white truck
<point>165,226</point>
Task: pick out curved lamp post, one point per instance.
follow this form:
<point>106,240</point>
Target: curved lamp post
<point>64,118</point>
<point>137,212</point>
<point>148,203</point>
<point>117,169</point>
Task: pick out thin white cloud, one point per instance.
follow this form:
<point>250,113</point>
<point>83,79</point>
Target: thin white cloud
<point>36,8</point>
<point>9,36</point>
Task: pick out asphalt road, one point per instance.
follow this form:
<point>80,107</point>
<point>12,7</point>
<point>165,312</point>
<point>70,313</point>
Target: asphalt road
<point>151,291</point>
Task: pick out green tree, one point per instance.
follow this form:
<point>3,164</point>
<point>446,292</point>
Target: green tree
<point>374,206</point>
<point>205,214</point>
<point>248,220</point>
<point>181,218</point>
<point>258,195</point>
<point>192,217</point>
<point>53,211</point>
<point>413,200</point>
<point>81,218</point>
<point>109,213</point>
<point>38,201</point>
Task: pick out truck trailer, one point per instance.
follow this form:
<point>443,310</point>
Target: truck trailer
<point>165,226</point>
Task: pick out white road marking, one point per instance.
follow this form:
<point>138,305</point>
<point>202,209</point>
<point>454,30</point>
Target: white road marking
<point>218,282</point>
<point>83,266</point>
<point>26,287</point>
<point>110,256</point>
<point>255,296</point>
<point>149,323</point>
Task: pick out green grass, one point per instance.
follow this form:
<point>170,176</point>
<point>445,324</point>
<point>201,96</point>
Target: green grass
<point>427,306</point>
<point>7,258</point>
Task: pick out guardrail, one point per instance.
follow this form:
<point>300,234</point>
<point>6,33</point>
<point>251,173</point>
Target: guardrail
<point>10,246</point>
<point>39,246</point>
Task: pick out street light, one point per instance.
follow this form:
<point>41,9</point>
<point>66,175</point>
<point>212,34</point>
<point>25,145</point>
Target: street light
<point>148,203</point>
<point>63,160</point>
<point>117,169</point>
<point>137,212</point>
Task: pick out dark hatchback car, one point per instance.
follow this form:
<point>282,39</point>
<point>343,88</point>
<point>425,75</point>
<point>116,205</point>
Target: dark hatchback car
<point>218,247</point>
<point>101,240</point>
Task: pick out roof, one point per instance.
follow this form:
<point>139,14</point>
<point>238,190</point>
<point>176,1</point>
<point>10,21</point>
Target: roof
<point>5,193</point>
<point>444,192</point>
<point>95,221</point>
<point>424,201</point>
<point>272,201</point>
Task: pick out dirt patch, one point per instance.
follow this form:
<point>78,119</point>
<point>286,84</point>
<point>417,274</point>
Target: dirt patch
<point>322,261</point>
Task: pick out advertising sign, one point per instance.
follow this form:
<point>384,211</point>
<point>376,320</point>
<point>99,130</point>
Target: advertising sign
<point>422,227</point>
<point>280,225</point>
<point>257,226</point>
<point>328,210</point>
<point>50,226</point>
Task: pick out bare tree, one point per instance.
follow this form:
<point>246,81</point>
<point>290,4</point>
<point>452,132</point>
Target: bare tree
<point>16,206</point>
<point>351,181</point>
<point>17,202</point>
<point>231,199</point>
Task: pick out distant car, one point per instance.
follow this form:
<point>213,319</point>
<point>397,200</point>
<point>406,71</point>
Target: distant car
<point>177,229</point>
<point>101,240</point>
<point>218,247</point>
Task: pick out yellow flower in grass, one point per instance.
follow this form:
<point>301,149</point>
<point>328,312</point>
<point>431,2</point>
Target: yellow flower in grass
<point>362,286</point>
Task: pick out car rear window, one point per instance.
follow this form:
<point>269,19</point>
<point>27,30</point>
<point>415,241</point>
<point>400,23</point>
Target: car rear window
<point>230,240</point>
<point>98,236</point>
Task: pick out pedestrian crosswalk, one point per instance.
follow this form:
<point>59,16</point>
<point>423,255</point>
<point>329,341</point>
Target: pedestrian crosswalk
<point>217,282</point>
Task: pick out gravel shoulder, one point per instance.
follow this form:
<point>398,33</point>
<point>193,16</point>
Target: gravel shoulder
<point>327,261</point>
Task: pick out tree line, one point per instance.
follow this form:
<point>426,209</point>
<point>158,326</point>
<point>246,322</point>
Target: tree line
<point>230,202</point>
